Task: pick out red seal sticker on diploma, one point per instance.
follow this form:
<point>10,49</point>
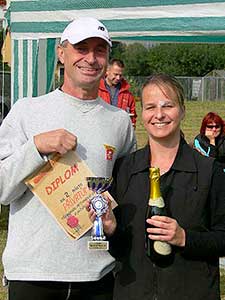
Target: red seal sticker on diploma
<point>72,221</point>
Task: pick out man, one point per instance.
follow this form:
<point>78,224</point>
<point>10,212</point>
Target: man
<point>114,89</point>
<point>40,261</point>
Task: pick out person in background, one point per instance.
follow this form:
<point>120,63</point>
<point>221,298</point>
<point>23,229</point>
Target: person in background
<point>40,261</point>
<point>193,189</point>
<point>114,89</point>
<point>211,139</point>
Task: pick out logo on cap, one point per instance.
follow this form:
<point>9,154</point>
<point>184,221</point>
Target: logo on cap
<point>101,28</point>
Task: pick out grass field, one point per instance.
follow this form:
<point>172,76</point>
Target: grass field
<point>195,111</point>
<point>3,233</point>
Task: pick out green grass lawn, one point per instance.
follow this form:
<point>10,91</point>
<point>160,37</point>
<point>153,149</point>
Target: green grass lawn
<point>3,234</point>
<point>195,111</point>
<point>2,245</point>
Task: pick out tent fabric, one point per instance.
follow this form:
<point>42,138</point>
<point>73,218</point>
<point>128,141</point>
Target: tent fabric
<point>33,64</point>
<point>36,25</point>
<point>143,19</point>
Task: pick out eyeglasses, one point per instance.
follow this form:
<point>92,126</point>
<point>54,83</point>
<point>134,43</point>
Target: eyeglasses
<point>213,126</point>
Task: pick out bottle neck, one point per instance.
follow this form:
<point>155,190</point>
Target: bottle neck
<point>154,177</point>
<point>155,188</point>
<point>155,198</point>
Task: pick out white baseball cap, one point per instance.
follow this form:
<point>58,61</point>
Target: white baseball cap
<point>84,28</point>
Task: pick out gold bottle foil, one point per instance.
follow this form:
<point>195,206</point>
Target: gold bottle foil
<point>154,176</point>
<point>155,198</point>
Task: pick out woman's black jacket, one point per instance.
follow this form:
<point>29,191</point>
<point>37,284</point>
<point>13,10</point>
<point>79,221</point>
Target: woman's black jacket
<point>194,192</point>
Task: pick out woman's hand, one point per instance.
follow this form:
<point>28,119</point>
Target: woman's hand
<point>108,218</point>
<point>166,229</point>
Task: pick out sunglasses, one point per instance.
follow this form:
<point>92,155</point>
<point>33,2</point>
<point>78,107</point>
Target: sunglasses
<point>213,126</point>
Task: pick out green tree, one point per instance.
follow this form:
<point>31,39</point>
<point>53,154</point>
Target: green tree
<point>186,59</point>
<point>118,49</point>
<point>135,59</point>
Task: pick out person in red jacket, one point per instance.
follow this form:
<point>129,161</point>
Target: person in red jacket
<point>114,89</point>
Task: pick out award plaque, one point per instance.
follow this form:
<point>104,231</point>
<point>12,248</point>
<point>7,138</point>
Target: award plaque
<point>100,205</point>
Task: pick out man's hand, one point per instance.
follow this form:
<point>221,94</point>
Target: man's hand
<point>59,140</point>
<point>166,229</point>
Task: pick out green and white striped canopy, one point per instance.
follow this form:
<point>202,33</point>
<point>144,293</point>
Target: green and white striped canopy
<point>36,25</point>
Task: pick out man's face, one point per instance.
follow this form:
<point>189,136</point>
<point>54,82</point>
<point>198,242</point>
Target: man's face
<point>85,63</point>
<point>114,75</point>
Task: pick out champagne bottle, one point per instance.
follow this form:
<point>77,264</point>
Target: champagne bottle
<point>158,251</point>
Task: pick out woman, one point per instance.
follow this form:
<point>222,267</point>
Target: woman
<point>193,189</point>
<point>211,140</point>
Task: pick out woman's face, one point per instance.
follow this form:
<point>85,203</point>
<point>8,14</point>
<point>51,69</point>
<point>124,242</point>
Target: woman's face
<point>161,113</point>
<point>212,129</point>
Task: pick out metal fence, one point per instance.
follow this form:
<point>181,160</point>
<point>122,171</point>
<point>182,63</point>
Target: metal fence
<point>204,88</point>
<point>5,83</point>
<point>195,88</point>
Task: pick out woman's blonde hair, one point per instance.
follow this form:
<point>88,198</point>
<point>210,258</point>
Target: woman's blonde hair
<point>167,84</point>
